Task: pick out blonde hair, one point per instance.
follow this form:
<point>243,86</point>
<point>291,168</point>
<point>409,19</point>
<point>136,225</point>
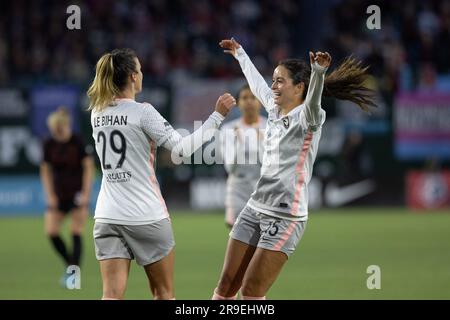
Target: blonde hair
<point>59,116</point>
<point>102,90</point>
<point>111,76</point>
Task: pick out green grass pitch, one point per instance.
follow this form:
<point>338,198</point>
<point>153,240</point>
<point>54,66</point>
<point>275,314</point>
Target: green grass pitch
<point>412,250</point>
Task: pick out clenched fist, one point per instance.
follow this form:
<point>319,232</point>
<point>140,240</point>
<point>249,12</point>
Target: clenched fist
<point>323,59</point>
<point>230,46</point>
<point>225,103</point>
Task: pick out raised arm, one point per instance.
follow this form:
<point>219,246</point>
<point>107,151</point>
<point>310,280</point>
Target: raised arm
<point>319,65</point>
<point>159,130</point>
<point>255,80</point>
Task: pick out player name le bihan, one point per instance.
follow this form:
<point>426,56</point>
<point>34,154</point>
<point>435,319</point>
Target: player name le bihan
<point>110,121</point>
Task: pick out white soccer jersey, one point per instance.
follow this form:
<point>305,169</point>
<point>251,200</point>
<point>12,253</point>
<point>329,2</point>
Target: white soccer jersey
<point>242,150</point>
<point>126,136</point>
<point>242,147</point>
<point>291,143</point>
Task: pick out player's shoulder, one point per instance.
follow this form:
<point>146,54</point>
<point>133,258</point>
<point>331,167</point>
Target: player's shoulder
<point>146,107</point>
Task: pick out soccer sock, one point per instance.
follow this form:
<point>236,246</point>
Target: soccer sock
<point>217,296</point>
<point>253,298</point>
<point>76,256</point>
<point>60,247</point>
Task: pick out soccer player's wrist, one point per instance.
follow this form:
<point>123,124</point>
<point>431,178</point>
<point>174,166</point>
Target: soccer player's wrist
<point>318,68</point>
<point>240,52</point>
<point>216,115</point>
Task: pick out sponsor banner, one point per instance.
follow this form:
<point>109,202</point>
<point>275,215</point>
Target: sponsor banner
<point>428,190</point>
<point>24,195</point>
<point>12,104</point>
<point>45,99</point>
<point>422,126</point>
<point>209,194</point>
<point>19,149</point>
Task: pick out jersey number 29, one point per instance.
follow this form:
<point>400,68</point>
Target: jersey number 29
<point>121,149</point>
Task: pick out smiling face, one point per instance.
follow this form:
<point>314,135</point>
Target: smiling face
<point>286,93</point>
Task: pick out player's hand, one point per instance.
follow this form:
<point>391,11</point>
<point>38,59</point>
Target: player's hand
<point>230,46</point>
<point>322,59</point>
<point>225,103</point>
<point>83,200</point>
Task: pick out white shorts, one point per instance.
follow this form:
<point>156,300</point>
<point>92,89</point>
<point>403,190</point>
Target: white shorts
<point>267,232</point>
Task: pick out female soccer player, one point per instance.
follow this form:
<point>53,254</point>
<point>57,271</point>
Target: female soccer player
<point>131,218</point>
<point>274,219</point>
<point>66,174</point>
<point>242,150</point>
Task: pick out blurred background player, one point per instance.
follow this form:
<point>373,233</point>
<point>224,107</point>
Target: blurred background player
<point>66,174</point>
<point>131,217</point>
<point>271,225</point>
<point>242,151</point>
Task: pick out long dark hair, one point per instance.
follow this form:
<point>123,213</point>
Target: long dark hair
<point>346,82</point>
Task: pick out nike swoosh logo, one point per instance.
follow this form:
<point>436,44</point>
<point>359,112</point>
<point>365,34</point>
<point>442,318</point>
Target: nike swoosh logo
<point>336,196</point>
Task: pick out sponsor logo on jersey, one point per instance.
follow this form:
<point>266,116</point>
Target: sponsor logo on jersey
<point>286,122</point>
<point>114,177</point>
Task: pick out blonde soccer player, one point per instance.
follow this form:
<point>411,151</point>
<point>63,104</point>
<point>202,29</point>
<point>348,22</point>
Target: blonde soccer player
<point>242,145</point>
<point>66,172</point>
<point>271,225</point>
<point>131,217</point>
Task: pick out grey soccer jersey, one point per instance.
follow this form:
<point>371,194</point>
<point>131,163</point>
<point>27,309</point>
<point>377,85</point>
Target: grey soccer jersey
<point>126,136</point>
<point>242,150</point>
<point>290,147</point>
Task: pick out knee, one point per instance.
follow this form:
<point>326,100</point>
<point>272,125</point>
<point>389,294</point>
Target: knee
<point>52,232</point>
<point>227,286</point>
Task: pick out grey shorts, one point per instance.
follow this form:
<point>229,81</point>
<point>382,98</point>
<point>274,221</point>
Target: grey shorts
<point>267,232</point>
<point>147,243</point>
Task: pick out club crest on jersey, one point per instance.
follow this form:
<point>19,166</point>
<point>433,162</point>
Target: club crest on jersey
<point>286,122</point>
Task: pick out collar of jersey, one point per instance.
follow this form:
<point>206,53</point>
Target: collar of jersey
<point>123,99</point>
<point>290,113</point>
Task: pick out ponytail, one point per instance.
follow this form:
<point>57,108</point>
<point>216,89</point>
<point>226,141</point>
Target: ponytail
<point>102,90</point>
<point>111,77</point>
<point>347,82</point>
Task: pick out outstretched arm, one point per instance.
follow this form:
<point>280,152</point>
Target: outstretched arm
<point>159,130</point>
<point>319,65</point>
<point>255,80</point>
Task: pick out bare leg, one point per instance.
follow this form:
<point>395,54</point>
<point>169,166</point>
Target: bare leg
<point>79,218</point>
<point>160,276</point>
<point>237,258</point>
<point>262,272</point>
<point>115,276</point>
